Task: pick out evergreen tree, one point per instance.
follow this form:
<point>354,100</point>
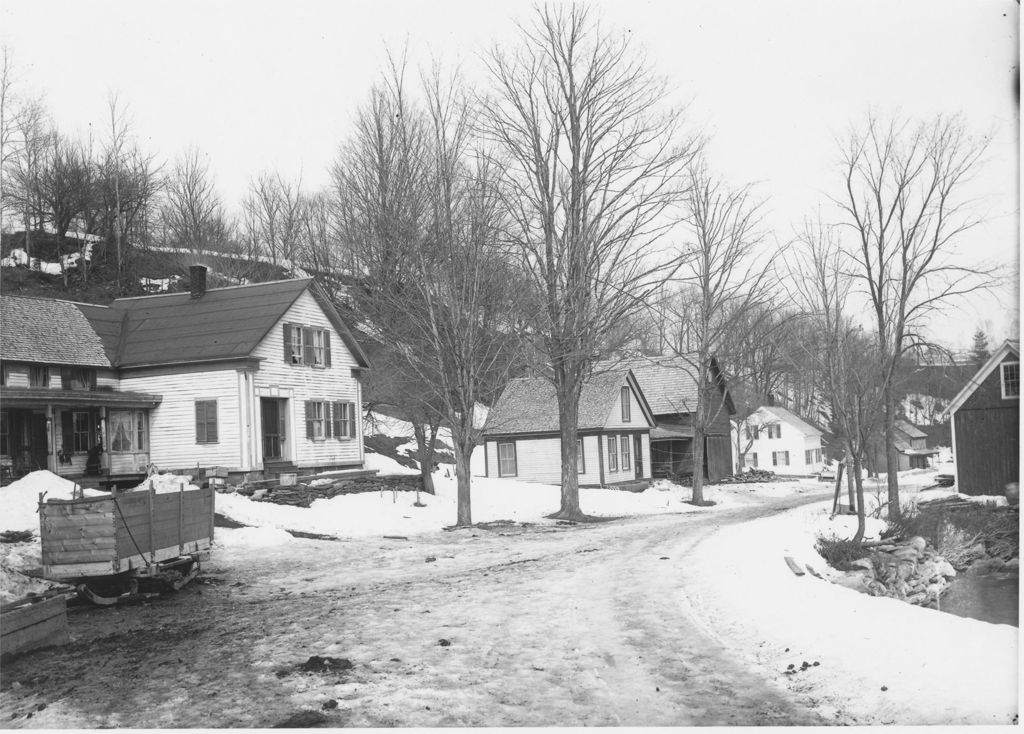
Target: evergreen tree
<point>980,352</point>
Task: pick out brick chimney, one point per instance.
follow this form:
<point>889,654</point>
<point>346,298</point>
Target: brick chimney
<point>197,280</point>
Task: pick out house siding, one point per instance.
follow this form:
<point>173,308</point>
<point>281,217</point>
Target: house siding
<point>636,416</point>
<point>299,383</point>
<point>540,459</point>
<point>172,425</point>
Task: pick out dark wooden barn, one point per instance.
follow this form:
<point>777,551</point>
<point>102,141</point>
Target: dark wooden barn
<point>986,425</point>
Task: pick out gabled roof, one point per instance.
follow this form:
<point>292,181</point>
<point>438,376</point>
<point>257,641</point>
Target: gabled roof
<point>50,331</point>
<point>224,323</point>
<point>1010,347</point>
<point>669,383</point>
<point>784,414</point>
<point>909,429</point>
<point>529,404</point>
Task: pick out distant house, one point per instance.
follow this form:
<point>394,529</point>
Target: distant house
<point>522,440</point>
<point>261,377</point>
<point>912,450</point>
<point>779,440</point>
<point>671,389</point>
<point>986,425</point>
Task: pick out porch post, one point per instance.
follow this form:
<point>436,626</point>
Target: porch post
<point>51,441</point>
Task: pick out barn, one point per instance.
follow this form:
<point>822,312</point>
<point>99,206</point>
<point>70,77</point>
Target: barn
<point>986,425</point>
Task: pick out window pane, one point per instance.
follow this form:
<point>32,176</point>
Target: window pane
<point>1011,380</point>
<point>613,458</point>
<point>120,430</point>
<point>625,452</point>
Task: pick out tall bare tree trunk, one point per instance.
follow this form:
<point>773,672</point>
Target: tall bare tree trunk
<point>698,466</point>
<point>425,452</point>
<point>568,415</point>
<point>891,458</point>
<point>463,515</point>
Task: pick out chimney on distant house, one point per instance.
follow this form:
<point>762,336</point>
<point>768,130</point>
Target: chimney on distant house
<point>197,280</point>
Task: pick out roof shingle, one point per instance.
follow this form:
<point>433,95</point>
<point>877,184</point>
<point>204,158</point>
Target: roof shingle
<point>50,331</point>
<point>529,405</point>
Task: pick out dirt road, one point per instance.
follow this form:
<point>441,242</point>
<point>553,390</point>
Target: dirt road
<point>501,626</point>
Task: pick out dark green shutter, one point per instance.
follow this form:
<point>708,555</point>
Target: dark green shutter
<point>211,421</point>
<point>288,343</point>
<point>327,348</point>
<point>200,422</point>
<point>351,420</point>
<point>327,419</point>
<point>307,345</point>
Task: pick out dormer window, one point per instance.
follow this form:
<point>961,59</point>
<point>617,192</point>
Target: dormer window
<point>77,378</point>
<point>1009,378</point>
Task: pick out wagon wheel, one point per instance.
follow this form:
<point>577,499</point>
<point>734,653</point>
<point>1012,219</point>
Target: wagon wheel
<point>107,592</point>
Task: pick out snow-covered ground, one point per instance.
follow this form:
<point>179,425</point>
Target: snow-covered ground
<point>880,661</point>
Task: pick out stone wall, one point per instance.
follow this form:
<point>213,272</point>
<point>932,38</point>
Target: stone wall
<point>909,571</point>
<point>304,493</point>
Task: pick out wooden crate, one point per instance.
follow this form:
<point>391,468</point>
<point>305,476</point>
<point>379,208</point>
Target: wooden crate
<point>102,536</point>
<point>31,626</point>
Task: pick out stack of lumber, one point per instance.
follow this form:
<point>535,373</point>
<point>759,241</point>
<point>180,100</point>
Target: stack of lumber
<point>749,477</point>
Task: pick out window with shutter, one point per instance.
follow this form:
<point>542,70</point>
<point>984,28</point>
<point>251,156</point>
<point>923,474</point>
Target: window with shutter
<point>315,420</point>
<point>625,405</point>
<point>613,454</point>
<point>307,345</point>
<point>206,421</point>
<point>624,443</point>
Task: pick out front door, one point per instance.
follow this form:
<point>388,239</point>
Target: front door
<point>273,428</point>
<point>638,462</point>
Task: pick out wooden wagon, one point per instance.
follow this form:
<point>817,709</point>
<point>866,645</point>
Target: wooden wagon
<point>105,544</point>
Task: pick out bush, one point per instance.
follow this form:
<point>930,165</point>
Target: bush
<point>954,531</point>
<point>839,553</point>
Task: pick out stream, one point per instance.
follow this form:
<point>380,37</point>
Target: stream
<point>991,598</point>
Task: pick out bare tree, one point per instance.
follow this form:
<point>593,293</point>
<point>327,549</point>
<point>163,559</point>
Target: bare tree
<point>423,216</point>
<point>274,212</point>
<point>849,368</point>
<point>903,206</point>
<point>726,298</point>
<point>192,215</point>
<point>593,173</point>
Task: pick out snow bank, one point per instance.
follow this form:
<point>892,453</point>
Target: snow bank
<point>882,661</point>
<point>395,513</point>
<point>386,465</point>
<point>15,560</point>
<point>20,499</point>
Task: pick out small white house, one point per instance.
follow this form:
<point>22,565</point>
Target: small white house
<point>780,441</point>
<point>522,440</point>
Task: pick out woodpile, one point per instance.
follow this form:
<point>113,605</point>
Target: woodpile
<point>304,494</point>
<point>749,477</point>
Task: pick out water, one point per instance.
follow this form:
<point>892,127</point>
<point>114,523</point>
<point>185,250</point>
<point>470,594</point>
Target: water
<point>992,598</point>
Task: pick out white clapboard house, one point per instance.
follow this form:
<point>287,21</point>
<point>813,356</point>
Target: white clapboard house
<point>522,440</point>
<point>780,441</point>
<point>253,378</point>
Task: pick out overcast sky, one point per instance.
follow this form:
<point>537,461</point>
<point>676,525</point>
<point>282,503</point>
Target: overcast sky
<point>262,85</point>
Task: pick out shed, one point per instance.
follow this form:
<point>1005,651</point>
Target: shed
<point>986,425</point>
